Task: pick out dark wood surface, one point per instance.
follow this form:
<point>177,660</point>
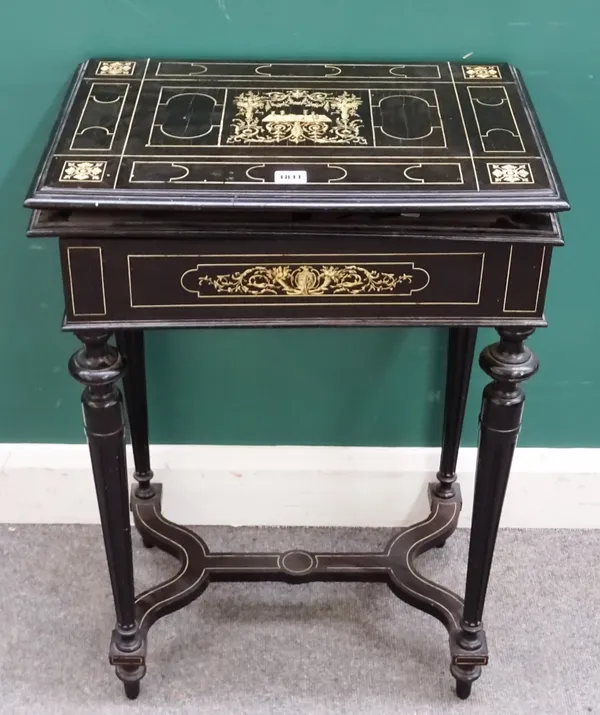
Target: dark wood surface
<point>162,133</point>
<point>396,158</point>
<point>312,280</point>
<point>163,269</point>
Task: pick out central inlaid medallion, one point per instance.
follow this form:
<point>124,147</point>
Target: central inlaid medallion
<point>297,116</point>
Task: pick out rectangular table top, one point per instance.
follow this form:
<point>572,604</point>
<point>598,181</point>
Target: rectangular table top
<point>197,134</point>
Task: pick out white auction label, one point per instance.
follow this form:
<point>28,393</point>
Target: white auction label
<point>290,177</point>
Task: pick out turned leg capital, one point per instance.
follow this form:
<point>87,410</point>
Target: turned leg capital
<point>509,361</point>
<point>96,363</point>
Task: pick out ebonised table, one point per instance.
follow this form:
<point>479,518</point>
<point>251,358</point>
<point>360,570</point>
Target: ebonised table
<point>214,194</point>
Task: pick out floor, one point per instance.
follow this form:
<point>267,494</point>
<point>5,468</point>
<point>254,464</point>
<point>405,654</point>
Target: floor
<point>315,649</point>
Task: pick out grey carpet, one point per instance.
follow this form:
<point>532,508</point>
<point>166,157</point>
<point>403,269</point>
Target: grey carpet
<point>257,649</point>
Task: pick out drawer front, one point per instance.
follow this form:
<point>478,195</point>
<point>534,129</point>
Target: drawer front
<point>280,281</point>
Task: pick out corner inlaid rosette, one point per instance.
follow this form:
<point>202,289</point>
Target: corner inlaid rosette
<point>306,280</point>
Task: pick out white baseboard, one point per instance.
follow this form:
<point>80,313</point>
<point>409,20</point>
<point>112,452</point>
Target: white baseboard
<point>307,486</point>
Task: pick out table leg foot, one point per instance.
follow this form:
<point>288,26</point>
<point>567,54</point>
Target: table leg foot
<point>132,690</point>
<point>465,677</point>
<point>463,688</point>
<point>131,679</point>
<point>129,662</point>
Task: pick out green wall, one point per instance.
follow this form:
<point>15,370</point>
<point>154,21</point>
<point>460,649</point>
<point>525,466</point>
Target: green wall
<point>363,386</point>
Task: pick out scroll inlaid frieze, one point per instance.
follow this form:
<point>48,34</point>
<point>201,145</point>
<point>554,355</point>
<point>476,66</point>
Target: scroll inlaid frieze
<point>177,282</point>
<point>306,280</point>
<point>297,116</point>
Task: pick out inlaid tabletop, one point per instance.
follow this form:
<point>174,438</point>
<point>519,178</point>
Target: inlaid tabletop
<point>194,134</point>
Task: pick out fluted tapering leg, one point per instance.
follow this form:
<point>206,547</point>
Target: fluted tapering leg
<point>99,366</point>
<point>508,362</point>
<point>131,346</point>
<point>461,347</point>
